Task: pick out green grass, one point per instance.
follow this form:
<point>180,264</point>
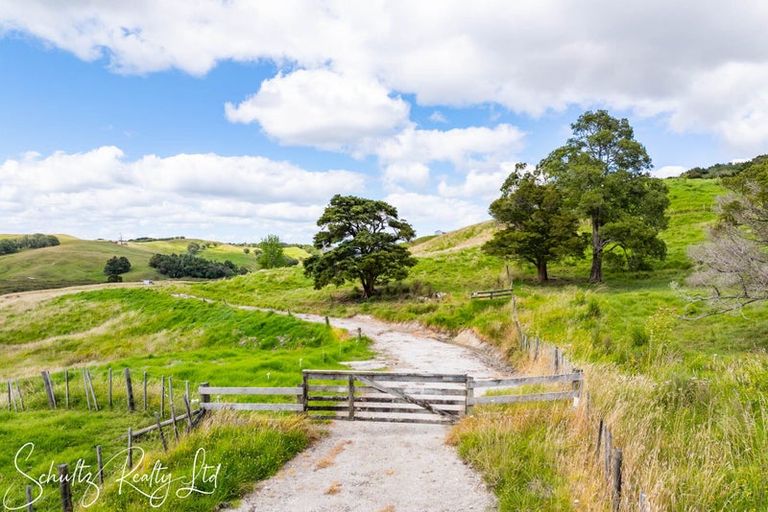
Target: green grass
<point>149,330</point>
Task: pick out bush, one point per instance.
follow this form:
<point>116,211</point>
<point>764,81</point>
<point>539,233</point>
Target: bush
<point>186,265</point>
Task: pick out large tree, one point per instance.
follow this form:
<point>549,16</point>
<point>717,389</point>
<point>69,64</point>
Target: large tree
<point>115,266</point>
<point>360,239</point>
<point>603,173</point>
<point>536,226</point>
<point>271,252</point>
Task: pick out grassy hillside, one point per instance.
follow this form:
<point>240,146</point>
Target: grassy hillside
<point>78,261</point>
<point>687,399</point>
<point>151,330</point>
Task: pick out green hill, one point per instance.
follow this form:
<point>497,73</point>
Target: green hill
<point>78,261</point>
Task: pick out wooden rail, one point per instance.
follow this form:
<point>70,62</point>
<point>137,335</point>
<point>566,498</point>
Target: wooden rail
<point>296,392</point>
<point>491,294</point>
<point>574,379</point>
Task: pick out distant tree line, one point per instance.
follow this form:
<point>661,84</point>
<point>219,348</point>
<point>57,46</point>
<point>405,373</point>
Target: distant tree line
<point>151,239</point>
<point>723,170</point>
<point>35,241</point>
<point>187,265</point>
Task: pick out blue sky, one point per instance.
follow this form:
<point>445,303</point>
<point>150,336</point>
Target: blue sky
<point>111,114</point>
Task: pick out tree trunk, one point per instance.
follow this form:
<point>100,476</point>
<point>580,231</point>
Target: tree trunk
<point>367,287</point>
<point>542,267</point>
<point>596,275</point>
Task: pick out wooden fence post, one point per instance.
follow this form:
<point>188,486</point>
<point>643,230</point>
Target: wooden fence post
<point>599,438</point>
<point>160,431</point>
<point>189,413</point>
<point>66,388</point>
<point>359,334</point>
<point>18,393</point>
<point>65,488</point>
<point>10,397</point>
<point>186,389</point>
<point>576,386</point>
<point>130,447</point>
<point>204,397</point>
<point>162,396</point>
<point>129,389</point>
<point>470,394</point>
<point>30,507</point>
<point>109,389</point>
<point>100,464</point>
<point>327,322</point>
<point>85,387</point>
<point>93,392</point>
<point>48,389</point>
<point>351,398</point>
<point>145,390</point>
<point>175,427</point>
<point>304,390</point>
<point>556,362</point>
<point>616,479</point>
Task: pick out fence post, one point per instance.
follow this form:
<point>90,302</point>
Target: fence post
<point>109,390</point>
<point>85,388</point>
<point>162,396</point>
<point>160,431</point>
<point>576,385</point>
<point>145,389</point>
<point>470,394</point>
<point>359,334</point>
<point>129,389</point>
<point>64,487</point>
<point>536,353</point>
<point>189,413</point>
<point>599,438</point>
<point>48,389</point>
<point>351,398</point>
<point>21,397</point>
<point>327,322</point>
<point>557,360</point>
<point>304,390</point>
<point>66,388</point>
<point>100,464</point>
<point>204,398</point>
<point>617,459</point>
<point>130,447</point>
<point>30,507</point>
<point>9,395</point>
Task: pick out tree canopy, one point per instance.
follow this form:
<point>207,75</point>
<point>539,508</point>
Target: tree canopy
<point>115,266</point>
<point>272,252</point>
<point>360,240</point>
<point>602,172</point>
<point>536,226</point>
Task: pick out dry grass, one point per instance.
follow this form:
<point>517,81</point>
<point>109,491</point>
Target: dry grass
<point>335,488</point>
<point>330,458</point>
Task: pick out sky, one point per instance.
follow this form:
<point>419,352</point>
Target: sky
<point>230,120</point>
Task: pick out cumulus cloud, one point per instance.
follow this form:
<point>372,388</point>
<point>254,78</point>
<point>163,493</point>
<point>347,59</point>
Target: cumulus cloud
<point>408,174</point>
<point>322,108</point>
<point>101,193</point>
<point>702,65</point>
<point>429,212</point>
<point>478,185</point>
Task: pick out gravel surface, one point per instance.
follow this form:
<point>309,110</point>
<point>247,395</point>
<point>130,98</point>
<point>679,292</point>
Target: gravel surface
<point>384,467</point>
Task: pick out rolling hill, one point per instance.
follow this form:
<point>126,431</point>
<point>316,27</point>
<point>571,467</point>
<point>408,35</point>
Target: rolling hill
<point>77,261</point>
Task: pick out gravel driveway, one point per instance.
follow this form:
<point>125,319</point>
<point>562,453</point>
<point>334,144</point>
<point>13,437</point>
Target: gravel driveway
<point>384,467</point>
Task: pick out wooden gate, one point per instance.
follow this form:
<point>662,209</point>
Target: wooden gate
<point>394,397</point>
<point>385,396</point>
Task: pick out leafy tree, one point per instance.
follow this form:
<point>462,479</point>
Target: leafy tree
<point>603,173</point>
<point>359,239</point>
<point>193,248</point>
<point>8,246</point>
<point>271,252</point>
<point>116,266</point>
<point>246,250</point>
<point>537,228</point>
<point>734,263</point>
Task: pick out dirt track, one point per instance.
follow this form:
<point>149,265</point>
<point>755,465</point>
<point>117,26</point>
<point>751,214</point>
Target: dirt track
<point>382,466</point>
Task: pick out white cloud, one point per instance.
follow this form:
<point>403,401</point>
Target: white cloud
<point>702,64</point>
<point>669,171</point>
<point>100,193</point>
<point>430,212</point>
<point>462,147</point>
<point>411,174</point>
<point>438,117</point>
<point>482,186</point>
<point>322,108</point>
